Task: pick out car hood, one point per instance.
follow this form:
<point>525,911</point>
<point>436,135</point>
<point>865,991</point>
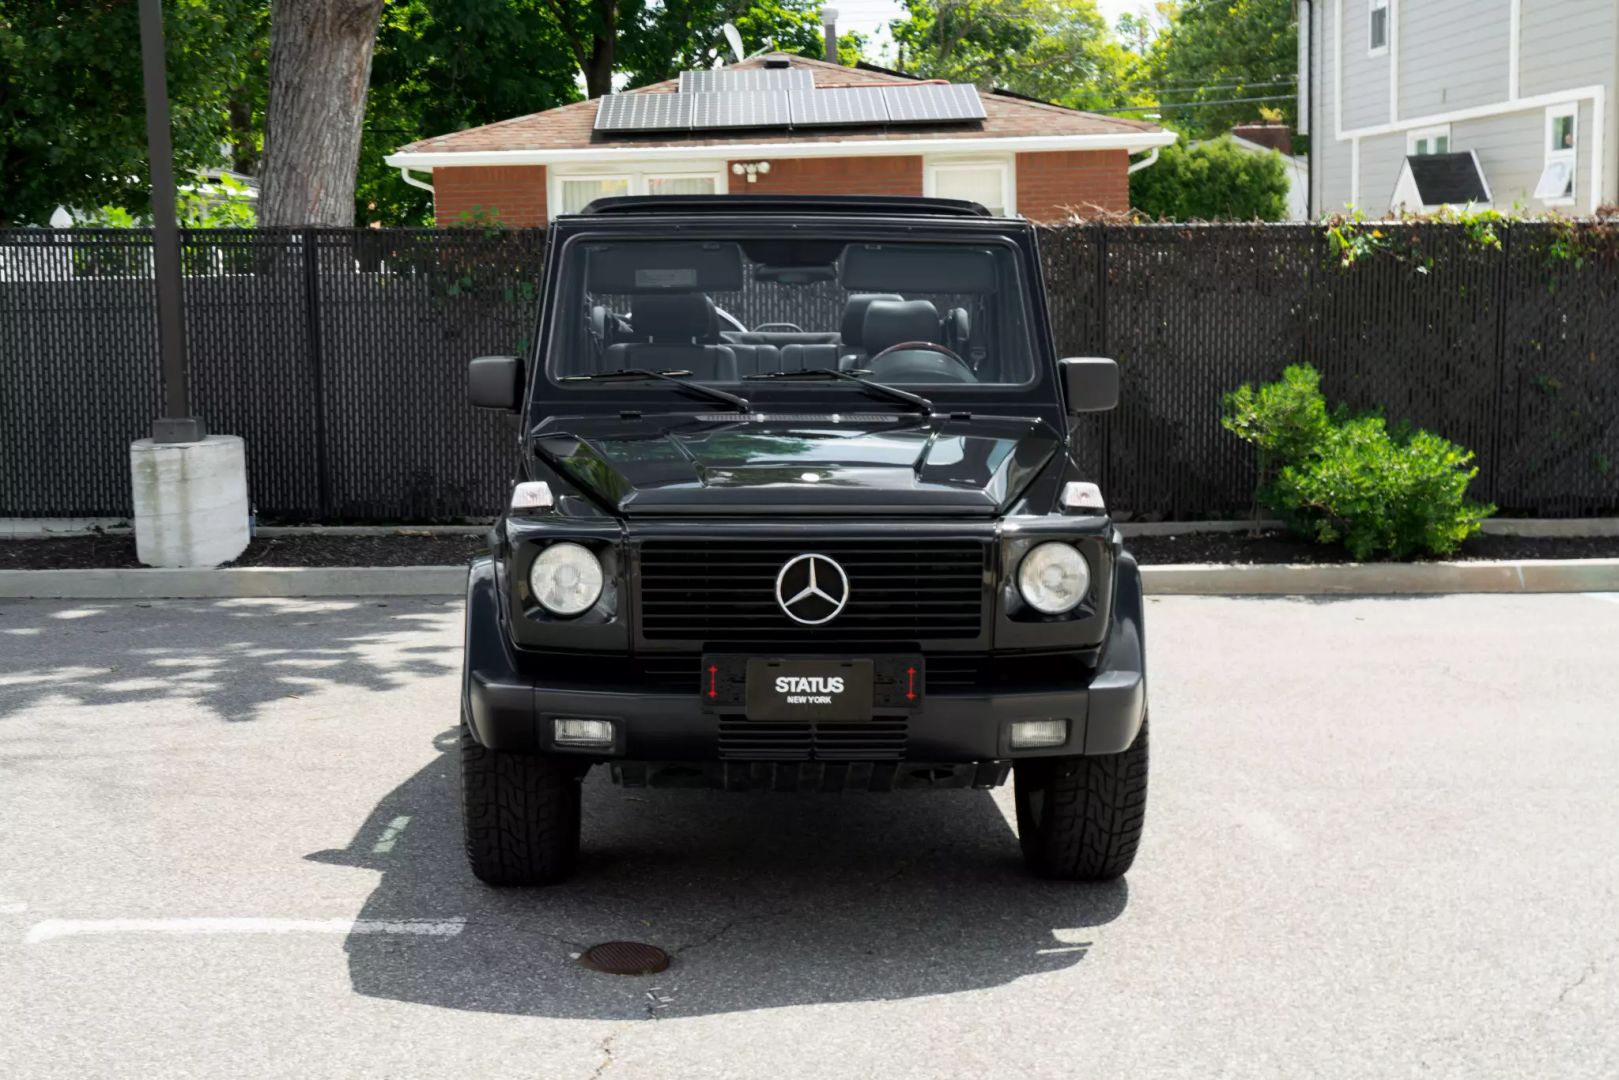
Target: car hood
<point>873,465</point>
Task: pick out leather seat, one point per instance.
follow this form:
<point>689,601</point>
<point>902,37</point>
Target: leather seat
<point>854,325</point>
<point>672,332</point>
<point>799,357</point>
<point>779,338</point>
<point>756,359</point>
<point>894,322</point>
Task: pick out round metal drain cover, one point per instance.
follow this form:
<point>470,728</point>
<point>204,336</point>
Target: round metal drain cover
<point>625,958</point>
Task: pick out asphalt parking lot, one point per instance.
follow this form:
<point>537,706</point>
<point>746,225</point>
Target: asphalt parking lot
<point>1383,840</point>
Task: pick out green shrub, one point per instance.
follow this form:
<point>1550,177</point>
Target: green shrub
<point>1349,479</point>
<point>1211,181</point>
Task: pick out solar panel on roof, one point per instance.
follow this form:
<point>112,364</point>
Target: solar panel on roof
<point>757,108</point>
<point>644,112</point>
<point>723,81</point>
<point>839,106</point>
<point>930,103</point>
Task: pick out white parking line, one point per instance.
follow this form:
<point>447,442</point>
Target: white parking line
<point>51,929</point>
<point>1610,597</point>
<point>385,842</point>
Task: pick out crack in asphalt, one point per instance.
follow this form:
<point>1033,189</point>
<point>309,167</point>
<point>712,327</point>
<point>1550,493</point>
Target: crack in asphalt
<point>899,871</point>
<point>605,1047</point>
<point>1590,969</point>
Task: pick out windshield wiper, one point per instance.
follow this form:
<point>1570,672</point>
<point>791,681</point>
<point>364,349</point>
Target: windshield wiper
<point>883,390</point>
<point>677,377</point>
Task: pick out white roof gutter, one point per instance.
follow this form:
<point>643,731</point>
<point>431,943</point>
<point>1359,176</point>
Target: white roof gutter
<point>1133,142</point>
<point>404,174</point>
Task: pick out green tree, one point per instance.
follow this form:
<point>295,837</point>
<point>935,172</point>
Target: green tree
<point>662,40</point>
<point>1055,50</point>
<point>72,120</point>
<point>1224,51</point>
<point>1212,181</point>
<point>444,65</point>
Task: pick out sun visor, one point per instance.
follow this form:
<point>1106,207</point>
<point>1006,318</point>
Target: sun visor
<point>665,268</point>
<point>916,268</point>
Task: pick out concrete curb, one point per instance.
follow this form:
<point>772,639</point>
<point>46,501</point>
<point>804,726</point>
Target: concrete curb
<point>1384,579</point>
<point>1533,527</point>
<point>283,581</point>
<point>1334,579</point>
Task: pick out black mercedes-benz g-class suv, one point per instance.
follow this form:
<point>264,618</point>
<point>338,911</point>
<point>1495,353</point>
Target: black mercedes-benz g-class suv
<point>797,508</point>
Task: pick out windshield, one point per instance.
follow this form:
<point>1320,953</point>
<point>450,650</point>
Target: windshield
<point>737,312</point>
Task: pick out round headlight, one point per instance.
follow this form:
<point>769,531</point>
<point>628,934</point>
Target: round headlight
<point>1054,578</point>
<point>566,579</point>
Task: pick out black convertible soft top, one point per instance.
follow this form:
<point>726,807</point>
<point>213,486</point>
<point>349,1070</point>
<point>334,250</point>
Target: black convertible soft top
<point>883,205</point>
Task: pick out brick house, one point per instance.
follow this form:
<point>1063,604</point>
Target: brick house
<point>1012,154</point>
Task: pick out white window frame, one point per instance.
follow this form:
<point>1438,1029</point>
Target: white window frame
<point>1432,134</point>
<point>554,196</point>
<point>1372,8</point>
<point>934,166</point>
<point>644,179</point>
<point>638,177</point>
<point>1555,113</point>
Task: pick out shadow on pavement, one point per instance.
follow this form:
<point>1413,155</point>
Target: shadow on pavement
<point>764,900</point>
<point>231,657</point>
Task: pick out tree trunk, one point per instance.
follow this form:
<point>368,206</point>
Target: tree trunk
<point>598,66</point>
<point>320,64</point>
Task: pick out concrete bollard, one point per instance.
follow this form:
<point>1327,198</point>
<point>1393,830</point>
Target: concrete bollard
<point>190,501</point>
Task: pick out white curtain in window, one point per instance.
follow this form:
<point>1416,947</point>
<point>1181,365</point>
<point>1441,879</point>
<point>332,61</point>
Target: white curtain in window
<point>577,193</point>
<point>680,185</point>
<point>985,184</point>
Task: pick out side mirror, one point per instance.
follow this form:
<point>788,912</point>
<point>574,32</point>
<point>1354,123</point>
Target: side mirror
<point>495,382</point>
<point>1091,383</point>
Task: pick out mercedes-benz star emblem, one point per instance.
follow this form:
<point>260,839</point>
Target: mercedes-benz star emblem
<point>812,589</point>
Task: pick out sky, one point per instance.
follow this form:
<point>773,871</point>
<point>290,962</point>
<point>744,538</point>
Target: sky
<point>870,16</point>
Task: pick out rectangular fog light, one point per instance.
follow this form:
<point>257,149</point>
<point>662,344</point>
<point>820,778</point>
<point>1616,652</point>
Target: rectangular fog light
<point>582,732</point>
<point>1029,734</point>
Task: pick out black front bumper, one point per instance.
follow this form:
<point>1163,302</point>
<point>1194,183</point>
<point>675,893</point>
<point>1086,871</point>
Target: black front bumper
<point>510,702</point>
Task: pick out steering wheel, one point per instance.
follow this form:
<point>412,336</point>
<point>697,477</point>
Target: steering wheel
<point>949,367</point>
<point>764,327</point>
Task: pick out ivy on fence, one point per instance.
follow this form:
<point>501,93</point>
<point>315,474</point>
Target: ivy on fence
<point>340,355</point>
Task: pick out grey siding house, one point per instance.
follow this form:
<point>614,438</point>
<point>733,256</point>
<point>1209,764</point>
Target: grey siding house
<point>1518,91</point>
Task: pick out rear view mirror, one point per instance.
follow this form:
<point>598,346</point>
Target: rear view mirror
<point>495,382</point>
<point>1091,383</point>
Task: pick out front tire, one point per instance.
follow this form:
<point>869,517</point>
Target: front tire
<point>519,814</point>
<point>1079,818</point>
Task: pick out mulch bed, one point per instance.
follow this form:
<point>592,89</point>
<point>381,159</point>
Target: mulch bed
<point>113,551</point>
<point>405,549</point>
<point>1281,547</point>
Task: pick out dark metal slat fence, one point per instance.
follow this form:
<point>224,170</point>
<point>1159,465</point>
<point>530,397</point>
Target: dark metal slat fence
<point>339,355</point>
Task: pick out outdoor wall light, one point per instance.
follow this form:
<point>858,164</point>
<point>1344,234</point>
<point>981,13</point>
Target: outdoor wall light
<point>751,169</point>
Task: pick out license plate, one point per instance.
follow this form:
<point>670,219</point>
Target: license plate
<point>812,690</point>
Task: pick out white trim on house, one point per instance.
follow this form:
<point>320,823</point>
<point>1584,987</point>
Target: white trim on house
<point>1394,60</point>
<point>1596,95</point>
<point>1305,65</point>
<point>632,157</point>
<point>932,167</point>
<point>1514,48</point>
